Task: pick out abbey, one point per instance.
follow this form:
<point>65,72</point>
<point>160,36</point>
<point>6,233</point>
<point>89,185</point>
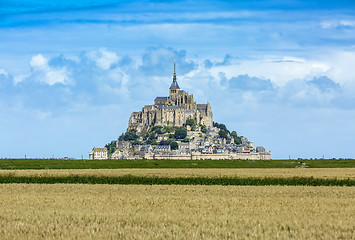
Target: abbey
<point>171,111</point>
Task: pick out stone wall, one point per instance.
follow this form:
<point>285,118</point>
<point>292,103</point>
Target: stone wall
<point>206,114</point>
<point>242,156</point>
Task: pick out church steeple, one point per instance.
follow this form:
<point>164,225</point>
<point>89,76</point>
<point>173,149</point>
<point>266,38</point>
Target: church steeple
<point>174,78</point>
<point>174,84</point>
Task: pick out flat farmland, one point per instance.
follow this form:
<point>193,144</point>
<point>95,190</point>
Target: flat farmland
<point>80,211</point>
<point>322,173</point>
<point>144,163</point>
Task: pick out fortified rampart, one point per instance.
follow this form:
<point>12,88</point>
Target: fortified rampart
<point>196,156</point>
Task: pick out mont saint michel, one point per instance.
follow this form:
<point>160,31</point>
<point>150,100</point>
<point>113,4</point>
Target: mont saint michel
<point>176,127</point>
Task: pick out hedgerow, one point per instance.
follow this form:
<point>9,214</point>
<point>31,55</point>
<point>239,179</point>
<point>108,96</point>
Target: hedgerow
<point>76,179</point>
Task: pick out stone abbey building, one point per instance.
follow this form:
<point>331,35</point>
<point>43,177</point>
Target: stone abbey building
<point>171,111</point>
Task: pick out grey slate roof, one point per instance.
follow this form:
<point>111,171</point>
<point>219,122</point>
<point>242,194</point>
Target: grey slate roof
<point>162,147</point>
<point>171,107</point>
<point>201,106</point>
<point>174,85</point>
<point>161,98</point>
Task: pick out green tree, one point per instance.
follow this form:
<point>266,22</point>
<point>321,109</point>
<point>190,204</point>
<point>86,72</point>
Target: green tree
<point>130,136</point>
<point>111,147</point>
<point>157,129</point>
<point>234,134</point>
<point>121,138</point>
<point>136,142</point>
<point>174,145</point>
<point>190,122</point>
<point>180,133</point>
<point>203,128</point>
<point>152,141</point>
<point>167,129</point>
<point>223,134</point>
<point>164,142</point>
<point>237,139</point>
<point>145,136</point>
<point>220,126</point>
<point>152,136</point>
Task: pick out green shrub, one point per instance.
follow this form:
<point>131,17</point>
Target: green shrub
<point>129,179</point>
<point>180,133</point>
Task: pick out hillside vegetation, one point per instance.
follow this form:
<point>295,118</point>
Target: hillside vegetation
<point>150,137</point>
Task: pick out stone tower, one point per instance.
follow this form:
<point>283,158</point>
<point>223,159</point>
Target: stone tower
<point>174,87</point>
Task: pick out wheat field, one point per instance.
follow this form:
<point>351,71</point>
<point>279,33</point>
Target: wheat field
<point>339,173</point>
<point>69,211</point>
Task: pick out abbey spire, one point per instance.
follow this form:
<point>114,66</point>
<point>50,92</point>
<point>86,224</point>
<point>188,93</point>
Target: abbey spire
<point>174,78</point>
<point>174,84</point>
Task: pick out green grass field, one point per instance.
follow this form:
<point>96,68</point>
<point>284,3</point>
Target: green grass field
<point>115,164</point>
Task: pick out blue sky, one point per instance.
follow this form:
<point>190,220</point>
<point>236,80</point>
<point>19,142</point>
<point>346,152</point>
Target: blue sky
<point>281,74</point>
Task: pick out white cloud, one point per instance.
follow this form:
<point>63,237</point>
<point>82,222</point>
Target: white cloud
<point>320,67</point>
<point>45,73</point>
<point>278,72</point>
<point>108,81</point>
<point>347,23</point>
<point>291,77</point>
<point>39,61</point>
<point>3,72</point>
<point>103,58</point>
<point>342,67</point>
<point>42,115</point>
<point>337,23</point>
<point>182,16</point>
<point>117,75</point>
<point>337,65</point>
<point>20,78</point>
<point>56,76</point>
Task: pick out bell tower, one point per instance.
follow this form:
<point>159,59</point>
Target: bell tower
<point>174,87</point>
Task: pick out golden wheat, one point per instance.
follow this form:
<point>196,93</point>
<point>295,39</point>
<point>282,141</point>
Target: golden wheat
<point>68,211</point>
<point>339,173</point>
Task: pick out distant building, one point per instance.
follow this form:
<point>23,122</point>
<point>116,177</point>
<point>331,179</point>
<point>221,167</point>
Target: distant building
<point>260,149</point>
<point>183,145</point>
<point>98,154</point>
<point>162,149</point>
<point>163,137</point>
